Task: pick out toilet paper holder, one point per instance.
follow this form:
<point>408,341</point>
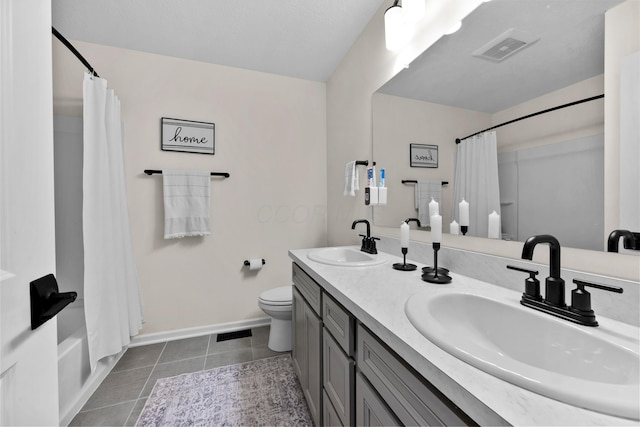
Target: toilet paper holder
<point>246,262</point>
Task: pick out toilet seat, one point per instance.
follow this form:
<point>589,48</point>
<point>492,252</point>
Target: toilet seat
<point>277,296</point>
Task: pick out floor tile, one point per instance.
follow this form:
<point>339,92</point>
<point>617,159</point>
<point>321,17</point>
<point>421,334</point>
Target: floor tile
<point>115,415</point>
<point>135,413</point>
<point>228,358</point>
<point>139,357</point>
<point>260,336</point>
<point>187,348</point>
<point>119,387</point>
<point>171,369</point>
<point>263,351</point>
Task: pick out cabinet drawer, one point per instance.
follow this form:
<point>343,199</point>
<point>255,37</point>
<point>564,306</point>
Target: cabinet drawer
<point>340,323</point>
<point>309,289</point>
<point>338,372</point>
<point>414,400</point>
<point>370,410</point>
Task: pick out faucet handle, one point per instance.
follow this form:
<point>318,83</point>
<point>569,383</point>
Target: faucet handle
<point>581,284</point>
<point>531,284</point>
<point>581,299</point>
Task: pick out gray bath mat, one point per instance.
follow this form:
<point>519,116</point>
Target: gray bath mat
<point>263,392</point>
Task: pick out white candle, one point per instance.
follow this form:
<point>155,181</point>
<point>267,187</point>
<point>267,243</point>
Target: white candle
<point>404,235</point>
<point>494,225</point>
<point>434,208</point>
<point>464,212</point>
<point>436,228</point>
<point>454,228</point>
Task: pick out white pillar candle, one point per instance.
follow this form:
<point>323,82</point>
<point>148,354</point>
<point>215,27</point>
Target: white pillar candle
<point>464,212</point>
<point>434,208</point>
<point>494,225</point>
<point>404,235</point>
<point>454,228</point>
<point>436,228</point>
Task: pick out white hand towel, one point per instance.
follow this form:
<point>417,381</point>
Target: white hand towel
<point>186,203</point>
<point>424,191</point>
<point>351,179</point>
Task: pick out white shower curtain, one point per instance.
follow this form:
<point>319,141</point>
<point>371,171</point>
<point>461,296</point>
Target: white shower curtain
<point>476,181</point>
<point>113,309</point>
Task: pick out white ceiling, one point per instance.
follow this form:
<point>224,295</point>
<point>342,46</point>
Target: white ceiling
<point>297,38</point>
<point>570,49</point>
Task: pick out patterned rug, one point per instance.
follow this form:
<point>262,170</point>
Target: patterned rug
<point>263,392</point>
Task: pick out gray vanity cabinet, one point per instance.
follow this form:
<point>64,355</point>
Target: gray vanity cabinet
<point>337,360</point>
<point>349,377</point>
<point>306,349</point>
<point>370,409</point>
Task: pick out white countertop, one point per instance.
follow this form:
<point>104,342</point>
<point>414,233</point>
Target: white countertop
<point>377,295</point>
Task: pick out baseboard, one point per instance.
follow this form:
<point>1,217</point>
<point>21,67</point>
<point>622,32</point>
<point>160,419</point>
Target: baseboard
<point>198,331</point>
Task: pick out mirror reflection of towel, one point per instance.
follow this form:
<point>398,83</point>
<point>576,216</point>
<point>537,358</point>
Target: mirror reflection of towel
<point>186,203</point>
<point>351,179</point>
<point>424,191</point>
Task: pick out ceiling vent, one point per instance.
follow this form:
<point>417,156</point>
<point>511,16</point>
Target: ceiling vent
<point>505,45</point>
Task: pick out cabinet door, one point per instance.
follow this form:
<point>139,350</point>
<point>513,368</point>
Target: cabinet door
<point>330,417</point>
<point>299,341</point>
<point>338,374</point>
<point>313,391</point>
<point>370,410</point>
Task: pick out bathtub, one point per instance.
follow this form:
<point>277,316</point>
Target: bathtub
<point>76,382</point>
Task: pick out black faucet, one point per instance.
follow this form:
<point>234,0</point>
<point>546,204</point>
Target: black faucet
<point>368,242</point>
<point>554,300</point>
<point>631,240</point>
<point>554,285</point>
<point>416,220</point>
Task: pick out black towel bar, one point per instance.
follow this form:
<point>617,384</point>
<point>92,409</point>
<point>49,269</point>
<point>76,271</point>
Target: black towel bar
<point>152,171</point>
<point>413,181</point>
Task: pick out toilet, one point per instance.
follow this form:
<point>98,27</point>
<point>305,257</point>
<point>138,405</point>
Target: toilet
<point>276,303</point>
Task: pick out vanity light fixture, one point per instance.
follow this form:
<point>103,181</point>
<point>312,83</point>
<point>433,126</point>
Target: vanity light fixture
<point>396,32</point>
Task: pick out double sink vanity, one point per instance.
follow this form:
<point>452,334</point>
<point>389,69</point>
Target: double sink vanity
<point>376,346</point>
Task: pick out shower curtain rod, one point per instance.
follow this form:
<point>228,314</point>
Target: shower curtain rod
<point>73,50</point>
<point>570,104</point>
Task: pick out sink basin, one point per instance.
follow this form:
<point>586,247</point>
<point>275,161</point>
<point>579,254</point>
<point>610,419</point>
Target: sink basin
<point>346,257</point>
<point>579,365</point>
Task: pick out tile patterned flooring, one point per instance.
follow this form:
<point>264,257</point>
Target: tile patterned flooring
<point>120,398</point>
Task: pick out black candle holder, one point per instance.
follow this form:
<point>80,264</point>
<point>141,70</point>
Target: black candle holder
<point>464,229</point>
<point>404,266</point>
<point>436,276</point>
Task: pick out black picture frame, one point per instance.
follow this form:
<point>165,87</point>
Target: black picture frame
<point>187,136</point>
<point>423,156</point>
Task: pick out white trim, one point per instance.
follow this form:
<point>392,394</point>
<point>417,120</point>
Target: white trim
<point>178,334</point>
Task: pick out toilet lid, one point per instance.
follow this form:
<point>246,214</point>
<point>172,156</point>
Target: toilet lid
<point>280,296</point>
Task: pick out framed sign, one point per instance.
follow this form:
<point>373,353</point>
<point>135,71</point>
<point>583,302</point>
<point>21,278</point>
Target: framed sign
<point>423,156</point>
<point>188,136</point>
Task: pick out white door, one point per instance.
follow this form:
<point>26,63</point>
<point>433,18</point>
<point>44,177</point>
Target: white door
<point>28,359</point>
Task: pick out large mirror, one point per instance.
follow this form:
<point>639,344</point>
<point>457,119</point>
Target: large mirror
<point>551,166</point>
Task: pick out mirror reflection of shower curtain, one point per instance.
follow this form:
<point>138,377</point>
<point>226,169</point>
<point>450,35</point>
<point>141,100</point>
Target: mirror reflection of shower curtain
<point>630,143</point>
<point>113,309</point>
<point>476,181</point>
